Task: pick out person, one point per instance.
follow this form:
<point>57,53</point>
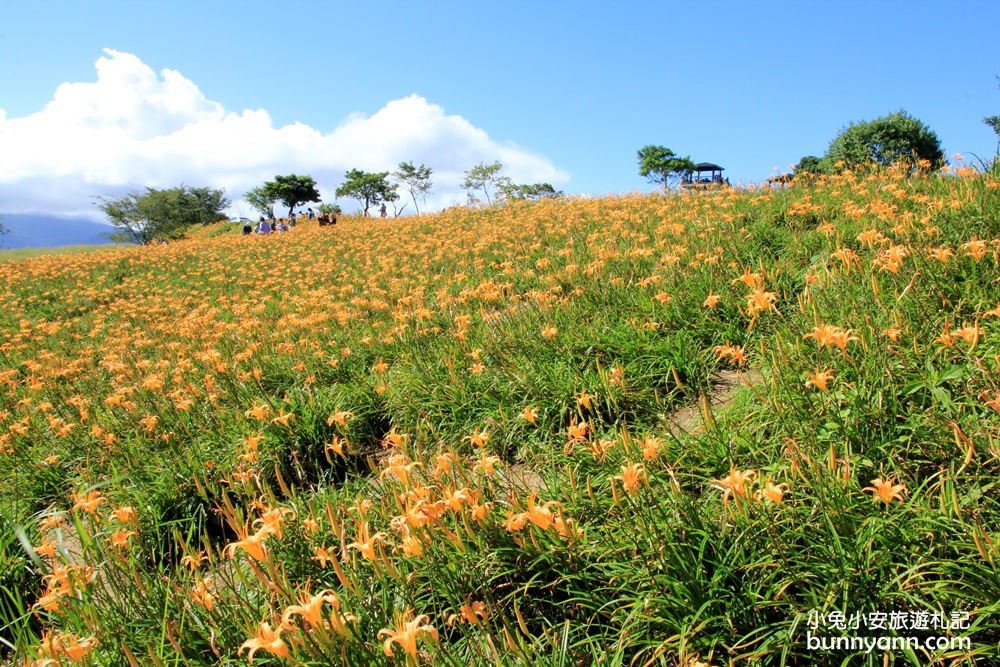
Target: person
<point>310,214</point>
<point>291,220</point>
<point>247,229</point>
<point>264,227</point>
<point>323,219</point>
<point>281,227</point>
<point>382,211</point>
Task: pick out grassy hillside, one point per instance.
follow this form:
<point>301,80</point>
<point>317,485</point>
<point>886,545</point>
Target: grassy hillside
<point>492,437</point>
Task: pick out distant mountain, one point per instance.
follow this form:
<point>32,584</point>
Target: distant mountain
<point>41,231</point>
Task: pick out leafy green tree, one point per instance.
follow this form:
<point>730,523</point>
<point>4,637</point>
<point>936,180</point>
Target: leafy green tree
<point>368,188</point>
<point>662,166</point>
<point>534,191</point>
<point>483,177</point>
<point>416,180</point>
<point>884,141</point>
<point>262,199</point>
<point>329,208</point>
<point>142,217</point>
<point>290,190</point>
<point>293,190</point>
<point>994,122</point>
<point>810,164</point>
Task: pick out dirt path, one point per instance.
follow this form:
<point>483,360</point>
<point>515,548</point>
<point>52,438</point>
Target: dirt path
<point>725,386</point>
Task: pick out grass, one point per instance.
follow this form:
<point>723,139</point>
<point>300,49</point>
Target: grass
<point>452,438</point>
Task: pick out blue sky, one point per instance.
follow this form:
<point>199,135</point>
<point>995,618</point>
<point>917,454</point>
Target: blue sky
<point>229,94</point>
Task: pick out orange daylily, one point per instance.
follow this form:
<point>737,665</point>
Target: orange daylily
<point>751,280</point>
<point>831,336</point>
<point>473,613</point>
<point>408,631</point>
<point>633,475</point>
<point>268,640</point>
<point>310,608</point>
<point>366,542</point>
<point>89,501</point>
<point>819,379</point>
<point>271,520</point>
<point>886,491</point>
<point>540,515</point>
<point>124,514</point>
<point>486,464</point>
<point>478,438</point>
<point>736,483</point>
<point>341,417</point>
<point>259,412</point>
<point>773,492</point>
<point>712,300</point>
<point>252,544</point>
<point>734,353</point>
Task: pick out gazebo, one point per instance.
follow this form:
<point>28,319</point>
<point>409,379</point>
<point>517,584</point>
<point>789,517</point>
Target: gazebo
<point>697,179</point>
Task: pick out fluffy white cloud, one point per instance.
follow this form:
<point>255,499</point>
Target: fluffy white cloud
<point>132,128</point>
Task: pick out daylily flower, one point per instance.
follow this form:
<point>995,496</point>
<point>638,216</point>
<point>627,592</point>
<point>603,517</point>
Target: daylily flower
<point>252,544</point>
<point>266,639</point>
<point>408,631</point>
<point>341,417</point>
<point>366,542</point>
<point>478,438</point>
<point>712,300</point>
<point>886,491</point>
<point>830,336</point>
<point>310,608</point>
<point>530,414</point>
<point>89,501</point>
<point>632,476</point>
<point>819,379</point>
<point>773,492</point>
<point>737,483</point>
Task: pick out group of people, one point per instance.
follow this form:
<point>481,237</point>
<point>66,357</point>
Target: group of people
<point>325,218</point>
<point>265,226</point>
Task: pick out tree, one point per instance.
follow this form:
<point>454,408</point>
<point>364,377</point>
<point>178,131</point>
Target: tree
<point>662,166</point>
<point>483,177</point>
<point>142,217</point>
<point>533,192</point>
<point>290,190</point>
<point>994,122</point>
<point>809,164</point>
<point>262,200</point>
<point>370,189</point>
<point>329,208</point>
<point>884,141</point>
<point>293,190</point>
<point>416,180</point>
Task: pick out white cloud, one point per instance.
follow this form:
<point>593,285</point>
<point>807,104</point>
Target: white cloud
<point>132,128</point>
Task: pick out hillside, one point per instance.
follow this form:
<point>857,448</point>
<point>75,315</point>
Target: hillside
<point>489,436</point>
